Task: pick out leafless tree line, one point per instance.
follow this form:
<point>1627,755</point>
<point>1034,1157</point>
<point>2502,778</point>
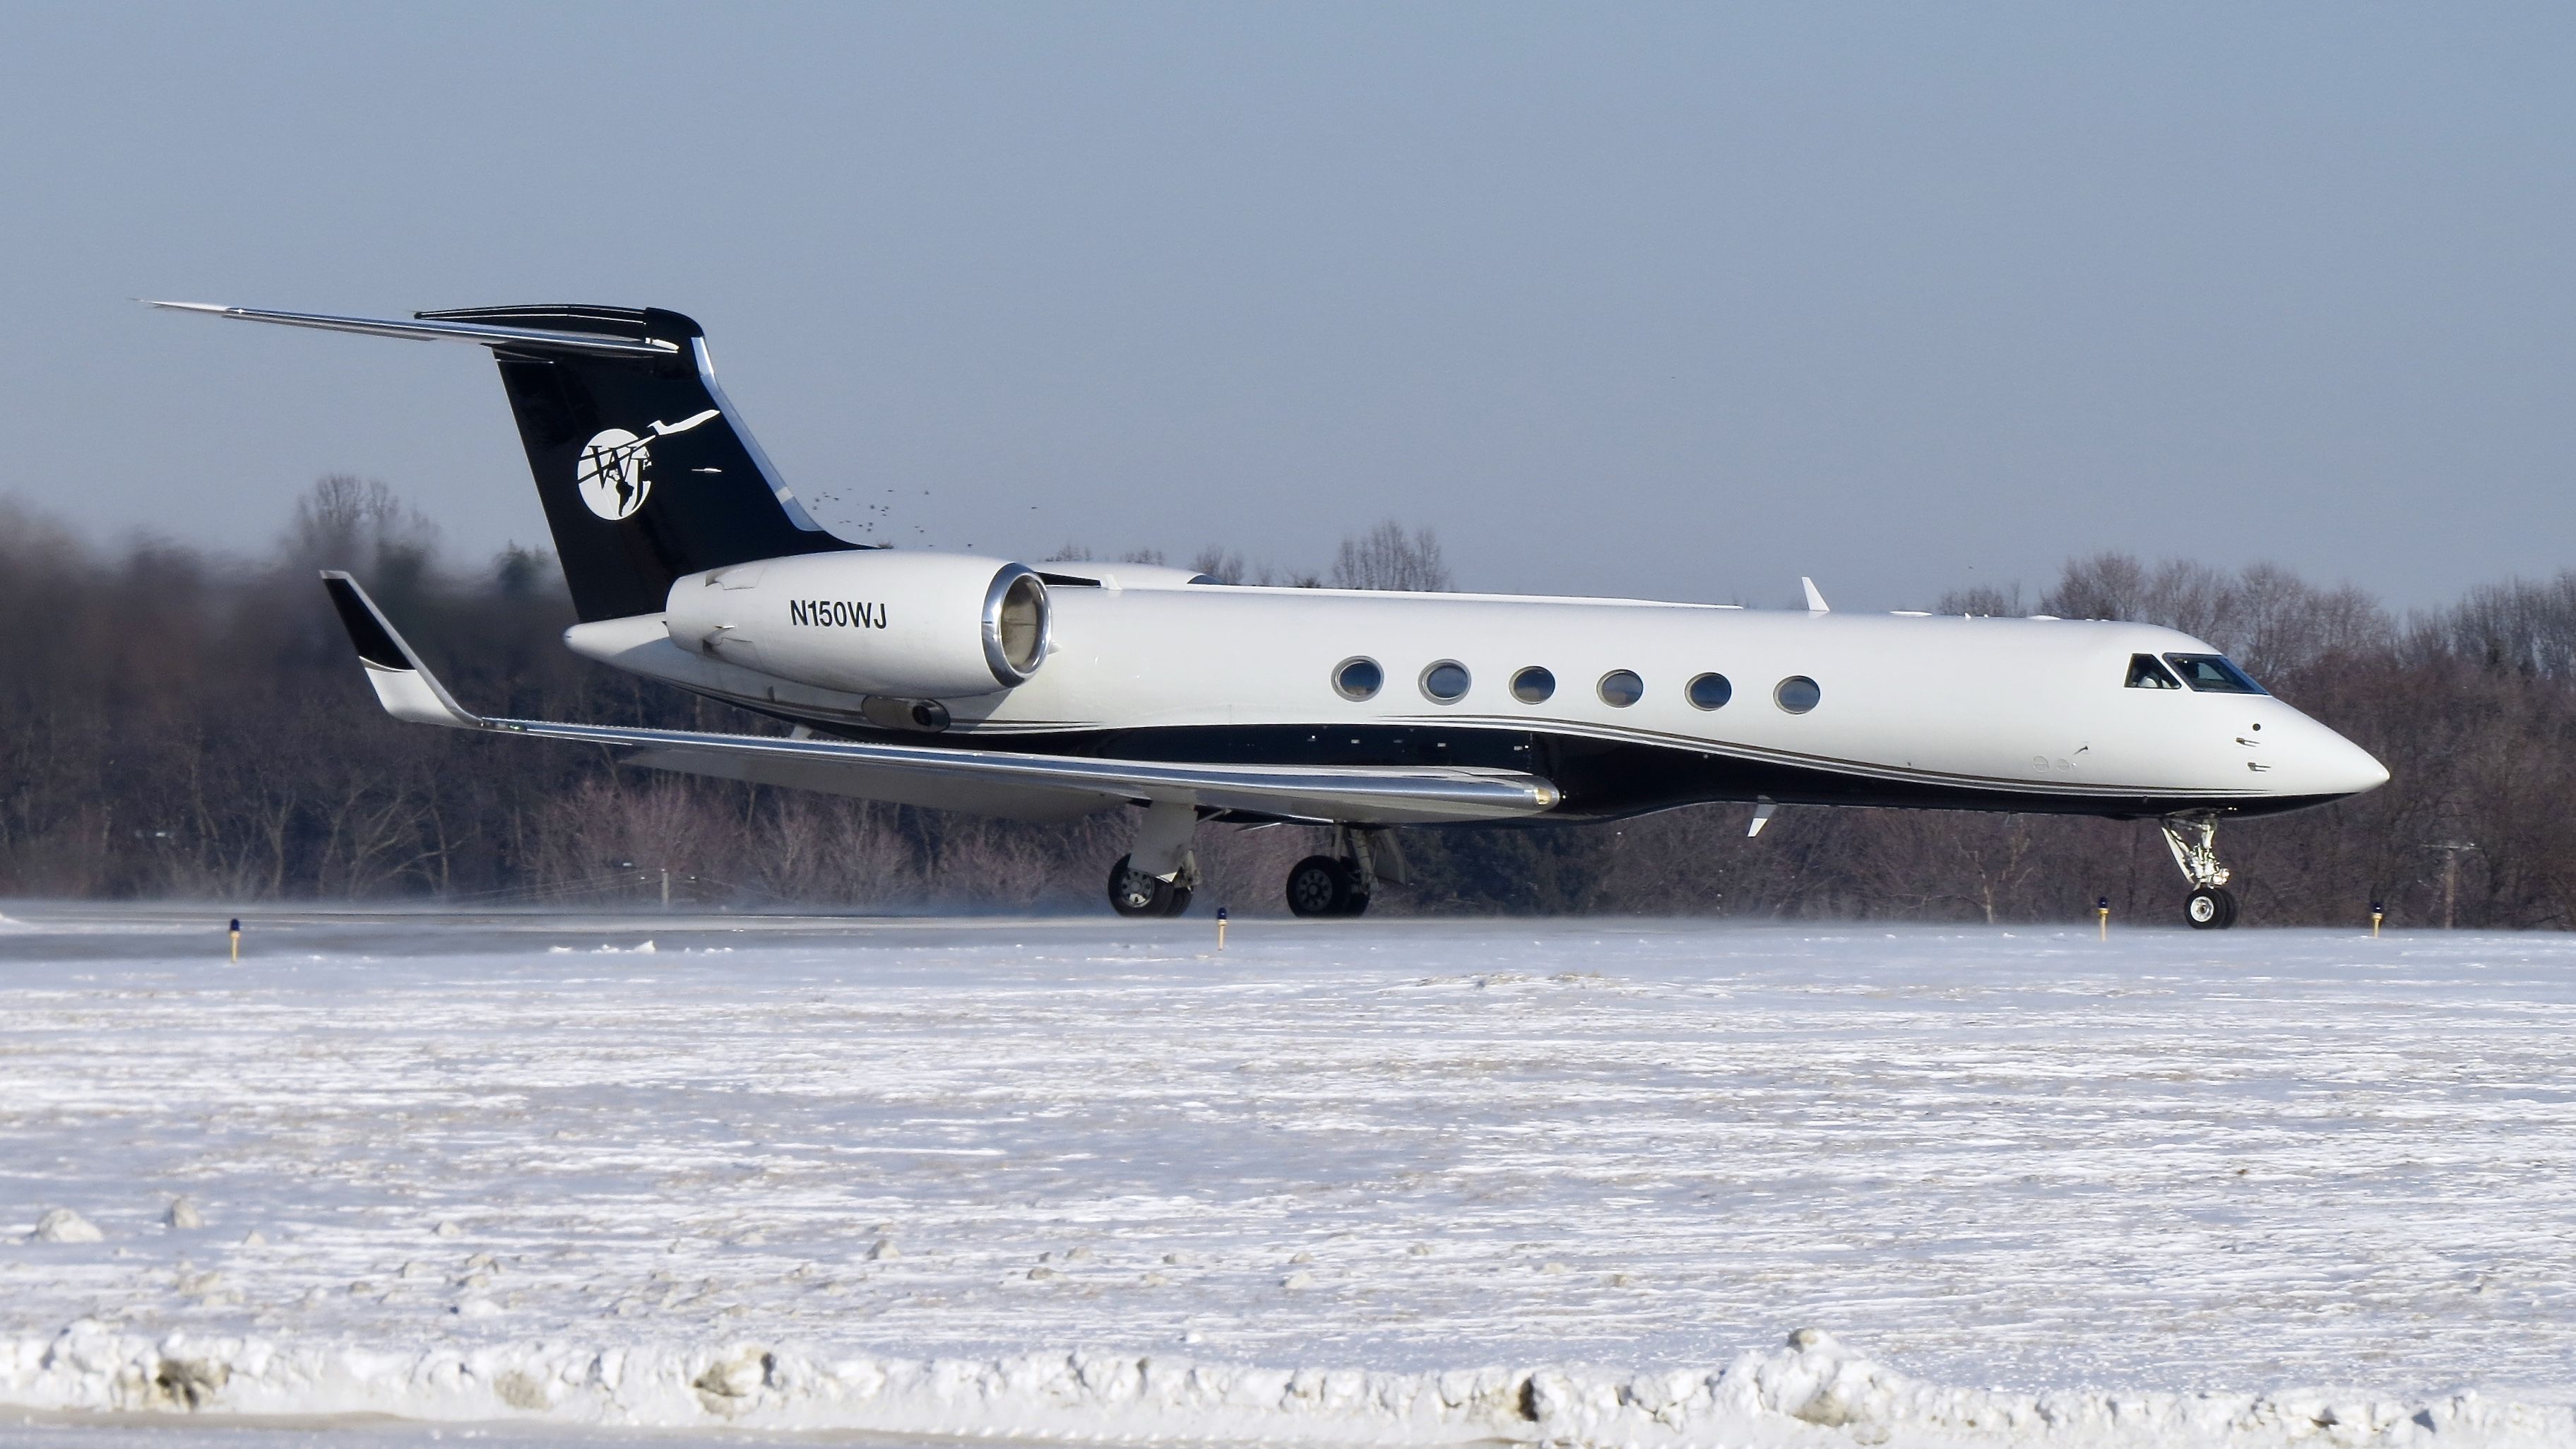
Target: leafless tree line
<point>175,724</point>
<point>1386,557</point>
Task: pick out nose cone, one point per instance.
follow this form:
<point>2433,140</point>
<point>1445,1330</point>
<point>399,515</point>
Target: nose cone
<point>2359,770</point>
<point>2336,766</point>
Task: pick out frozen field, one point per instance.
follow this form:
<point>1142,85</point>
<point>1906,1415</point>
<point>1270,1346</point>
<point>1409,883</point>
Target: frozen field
<point>1381,1181</point>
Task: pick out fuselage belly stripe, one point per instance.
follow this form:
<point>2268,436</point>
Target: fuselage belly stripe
<point>967,735</point>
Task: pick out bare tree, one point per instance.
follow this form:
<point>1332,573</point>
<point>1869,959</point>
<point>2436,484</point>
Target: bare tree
<point>1387,557</point>
<point>1984,601</point>
<point>361,523</point>
<point>2527,628</point>
<point>1219,563</point>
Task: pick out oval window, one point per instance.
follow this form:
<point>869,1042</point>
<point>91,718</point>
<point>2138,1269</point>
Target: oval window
<point>1709,691</point>
<point>1533,685</point>
<point>1797,694</point>
<point>1358,678</point>
<point>1621,688</point>
<point>1445,681</point>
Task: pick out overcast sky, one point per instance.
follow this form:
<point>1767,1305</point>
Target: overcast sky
<point>1681,302</point>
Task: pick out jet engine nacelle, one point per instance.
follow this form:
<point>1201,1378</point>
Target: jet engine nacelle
<point>871,621</point>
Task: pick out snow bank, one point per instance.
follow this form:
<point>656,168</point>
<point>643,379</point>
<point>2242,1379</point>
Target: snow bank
<point>456,1178</point>
<point>62,1225</point>
<point>1814,1392</point>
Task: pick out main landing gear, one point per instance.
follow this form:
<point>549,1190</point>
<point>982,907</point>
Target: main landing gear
<point>1134,893</point>
<point>1339,884</point>
<point>1322,886</point>
<point>1158,877</point>
<point>2193,839</point>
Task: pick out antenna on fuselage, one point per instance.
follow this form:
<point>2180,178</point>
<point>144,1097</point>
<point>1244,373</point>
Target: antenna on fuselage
<point>1815,601</point>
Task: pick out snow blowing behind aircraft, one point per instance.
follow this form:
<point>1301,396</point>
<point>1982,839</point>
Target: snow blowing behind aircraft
<point>1059,690</point>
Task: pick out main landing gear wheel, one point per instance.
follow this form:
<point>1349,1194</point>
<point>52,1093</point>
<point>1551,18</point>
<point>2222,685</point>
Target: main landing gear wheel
<point>2193,839</point>
<point>1322,886</point>
<point>1132,893</point>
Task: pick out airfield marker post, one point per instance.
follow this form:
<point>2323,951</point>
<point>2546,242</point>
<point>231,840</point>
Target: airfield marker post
<point>2102,908</point>
<point>236,940</point>
<point>2376,913</point>
<point>1220,928</point>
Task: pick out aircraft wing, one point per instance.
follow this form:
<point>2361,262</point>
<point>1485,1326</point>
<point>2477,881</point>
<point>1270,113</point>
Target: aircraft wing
<point>995,782</point>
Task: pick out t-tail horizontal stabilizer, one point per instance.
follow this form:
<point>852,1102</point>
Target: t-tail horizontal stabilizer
<point>956,778</point>
<point>431,328</point>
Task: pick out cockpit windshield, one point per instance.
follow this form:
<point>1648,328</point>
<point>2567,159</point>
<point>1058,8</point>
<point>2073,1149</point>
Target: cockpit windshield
<point>2146,673</point>
<point>2213,674</point>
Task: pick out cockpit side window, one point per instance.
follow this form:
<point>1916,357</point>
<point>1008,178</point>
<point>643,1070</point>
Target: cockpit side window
<point>2146,673</point>
<point>2213,674</point>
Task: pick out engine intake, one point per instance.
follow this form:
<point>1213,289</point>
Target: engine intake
<point>874,621</point>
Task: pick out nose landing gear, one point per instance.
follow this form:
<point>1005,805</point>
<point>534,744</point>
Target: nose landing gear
<point>2193,839</point>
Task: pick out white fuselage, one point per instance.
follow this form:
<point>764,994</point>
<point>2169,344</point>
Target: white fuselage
<point>1998,713</point>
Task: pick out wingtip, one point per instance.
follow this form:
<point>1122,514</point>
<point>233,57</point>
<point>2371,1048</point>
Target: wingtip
<point>217,308</point>
<point>405,687</point>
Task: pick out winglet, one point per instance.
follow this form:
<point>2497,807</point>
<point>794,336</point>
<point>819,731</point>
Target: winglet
<point>1815,600</point>
<point>404,686</point>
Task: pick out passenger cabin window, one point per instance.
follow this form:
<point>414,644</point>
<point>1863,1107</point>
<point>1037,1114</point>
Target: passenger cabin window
<point>1709,691</point>
<point>1445,682</point>
<point>2146,673</point>
<point>1797,694</point>
<point>1358,678</point>
<point>1621,688</point>
<point>2213,674</point>
<point>1533,685</point>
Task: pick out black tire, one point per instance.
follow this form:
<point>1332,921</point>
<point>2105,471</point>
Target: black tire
<point>1131,894</point>
<point>2209,909</point>
<point>1179,904</point>
<point>1318,886</point>
<point>2227,898</point>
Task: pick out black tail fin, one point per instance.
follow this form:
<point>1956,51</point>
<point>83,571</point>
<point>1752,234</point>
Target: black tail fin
<point>645,470</point>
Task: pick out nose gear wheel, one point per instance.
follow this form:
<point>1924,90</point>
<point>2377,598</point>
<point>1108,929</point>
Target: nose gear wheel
<point>2211,908</point>
<point>2193,839</point>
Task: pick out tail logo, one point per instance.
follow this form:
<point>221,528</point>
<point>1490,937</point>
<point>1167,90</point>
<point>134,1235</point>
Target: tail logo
<point>615,472</point>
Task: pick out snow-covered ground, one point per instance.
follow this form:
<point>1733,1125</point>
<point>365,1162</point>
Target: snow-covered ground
<point>1377,1181</point>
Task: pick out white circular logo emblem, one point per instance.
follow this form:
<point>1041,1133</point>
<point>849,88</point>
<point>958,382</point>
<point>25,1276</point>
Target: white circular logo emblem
<point>615,473</point>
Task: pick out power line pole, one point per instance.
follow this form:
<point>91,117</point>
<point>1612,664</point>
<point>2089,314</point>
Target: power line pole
<point>2451,877</point>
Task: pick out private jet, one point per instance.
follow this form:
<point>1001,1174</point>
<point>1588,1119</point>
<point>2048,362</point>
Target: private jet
<point>1055,690</point>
